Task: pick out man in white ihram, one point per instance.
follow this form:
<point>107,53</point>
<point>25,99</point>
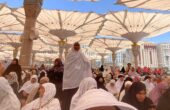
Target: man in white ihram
<point>76,68</point>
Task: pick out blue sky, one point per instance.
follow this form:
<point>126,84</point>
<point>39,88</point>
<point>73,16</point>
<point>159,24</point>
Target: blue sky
<point>101,7</point>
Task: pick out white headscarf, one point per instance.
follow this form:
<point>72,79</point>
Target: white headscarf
<point>111,89</point>
<point>149,86</point>
<point>85,85</point>
<point>14,78</point>
<point>29,86</point>
<point>47,102</point>
<point>9,100</point>
<point>76,68</point>
<point>98,98</point>
<point>119,85</point>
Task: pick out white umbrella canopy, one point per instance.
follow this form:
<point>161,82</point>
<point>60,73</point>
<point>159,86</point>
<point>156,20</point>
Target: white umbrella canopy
<point>12,39</point>
<point>10,42</point>
<point>4,55</point>
<point>69,24</point>
<point>42,47</point>
<point>9,22</point>
<point>111,44</point>
<point>45,58</point>
<point>147,4</point>
<point>135,26</point>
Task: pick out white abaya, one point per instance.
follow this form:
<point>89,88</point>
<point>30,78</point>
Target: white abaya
<point>28,86</point>
<point>76,68</point>
<point>8,99</point>
<point>47,102</point>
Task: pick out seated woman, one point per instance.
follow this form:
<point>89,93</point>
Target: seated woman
<point>9,100</point>
<point>46,100</point>
<point>99,99</point>
<point>136,96</point>
<point>27,89</point>
<point>85,85</point>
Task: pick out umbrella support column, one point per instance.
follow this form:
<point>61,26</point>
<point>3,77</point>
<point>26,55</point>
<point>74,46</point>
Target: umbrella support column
<point>32,10</point>
<point>135,51</point>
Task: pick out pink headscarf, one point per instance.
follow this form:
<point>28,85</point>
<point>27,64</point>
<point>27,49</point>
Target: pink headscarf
<point>157,92</point>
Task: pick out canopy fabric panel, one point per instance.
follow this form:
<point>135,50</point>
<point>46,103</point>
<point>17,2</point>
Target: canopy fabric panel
<point>109,43</point>
<point>64,24</point>
<point>147,4</point>
<point>8,22</point>
<point>135,25</point>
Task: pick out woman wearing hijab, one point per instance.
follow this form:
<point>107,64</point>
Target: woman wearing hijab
<point>124,89</point>
<point>14,67</point>
<point>9,100</point>
<point>76,68</point>
<point>13,81</point>
<point>132,72</point>
<point>99,99</point>
<point>46,100</point>
<point>119,83</point>
<point>55,75</point>
<point>27,89</point>
<point>85,85</point>
<point>111,87</point>
<point>100,82</point>
<point>30,85</point>
<point>157,92</point>
<point>149,84</point>
<point>26,76</point>
<point>136,96</point>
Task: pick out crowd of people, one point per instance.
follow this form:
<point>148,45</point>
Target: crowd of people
<point>74,85</point>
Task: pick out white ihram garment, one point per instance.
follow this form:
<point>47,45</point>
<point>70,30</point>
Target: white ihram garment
<point>8,100</point>
<point>85,85</point>
<point>47,102</point>
<point>76,68</point>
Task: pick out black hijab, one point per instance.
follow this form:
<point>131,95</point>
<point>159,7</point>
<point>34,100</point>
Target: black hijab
<point>131,99</point>
<point>14,68</point>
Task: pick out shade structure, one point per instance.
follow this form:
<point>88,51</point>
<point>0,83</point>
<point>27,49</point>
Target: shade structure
<point>135,26</point>
<point>100,50</point>
<point>147,4</point>
<point>69,27</point>
<point>5,55</point>
<point>42,47</point>
<point>64,24</point>
<point>31,12</point>
<point>8,22</point>
<point>111,44</point>
<point>10,42</point>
